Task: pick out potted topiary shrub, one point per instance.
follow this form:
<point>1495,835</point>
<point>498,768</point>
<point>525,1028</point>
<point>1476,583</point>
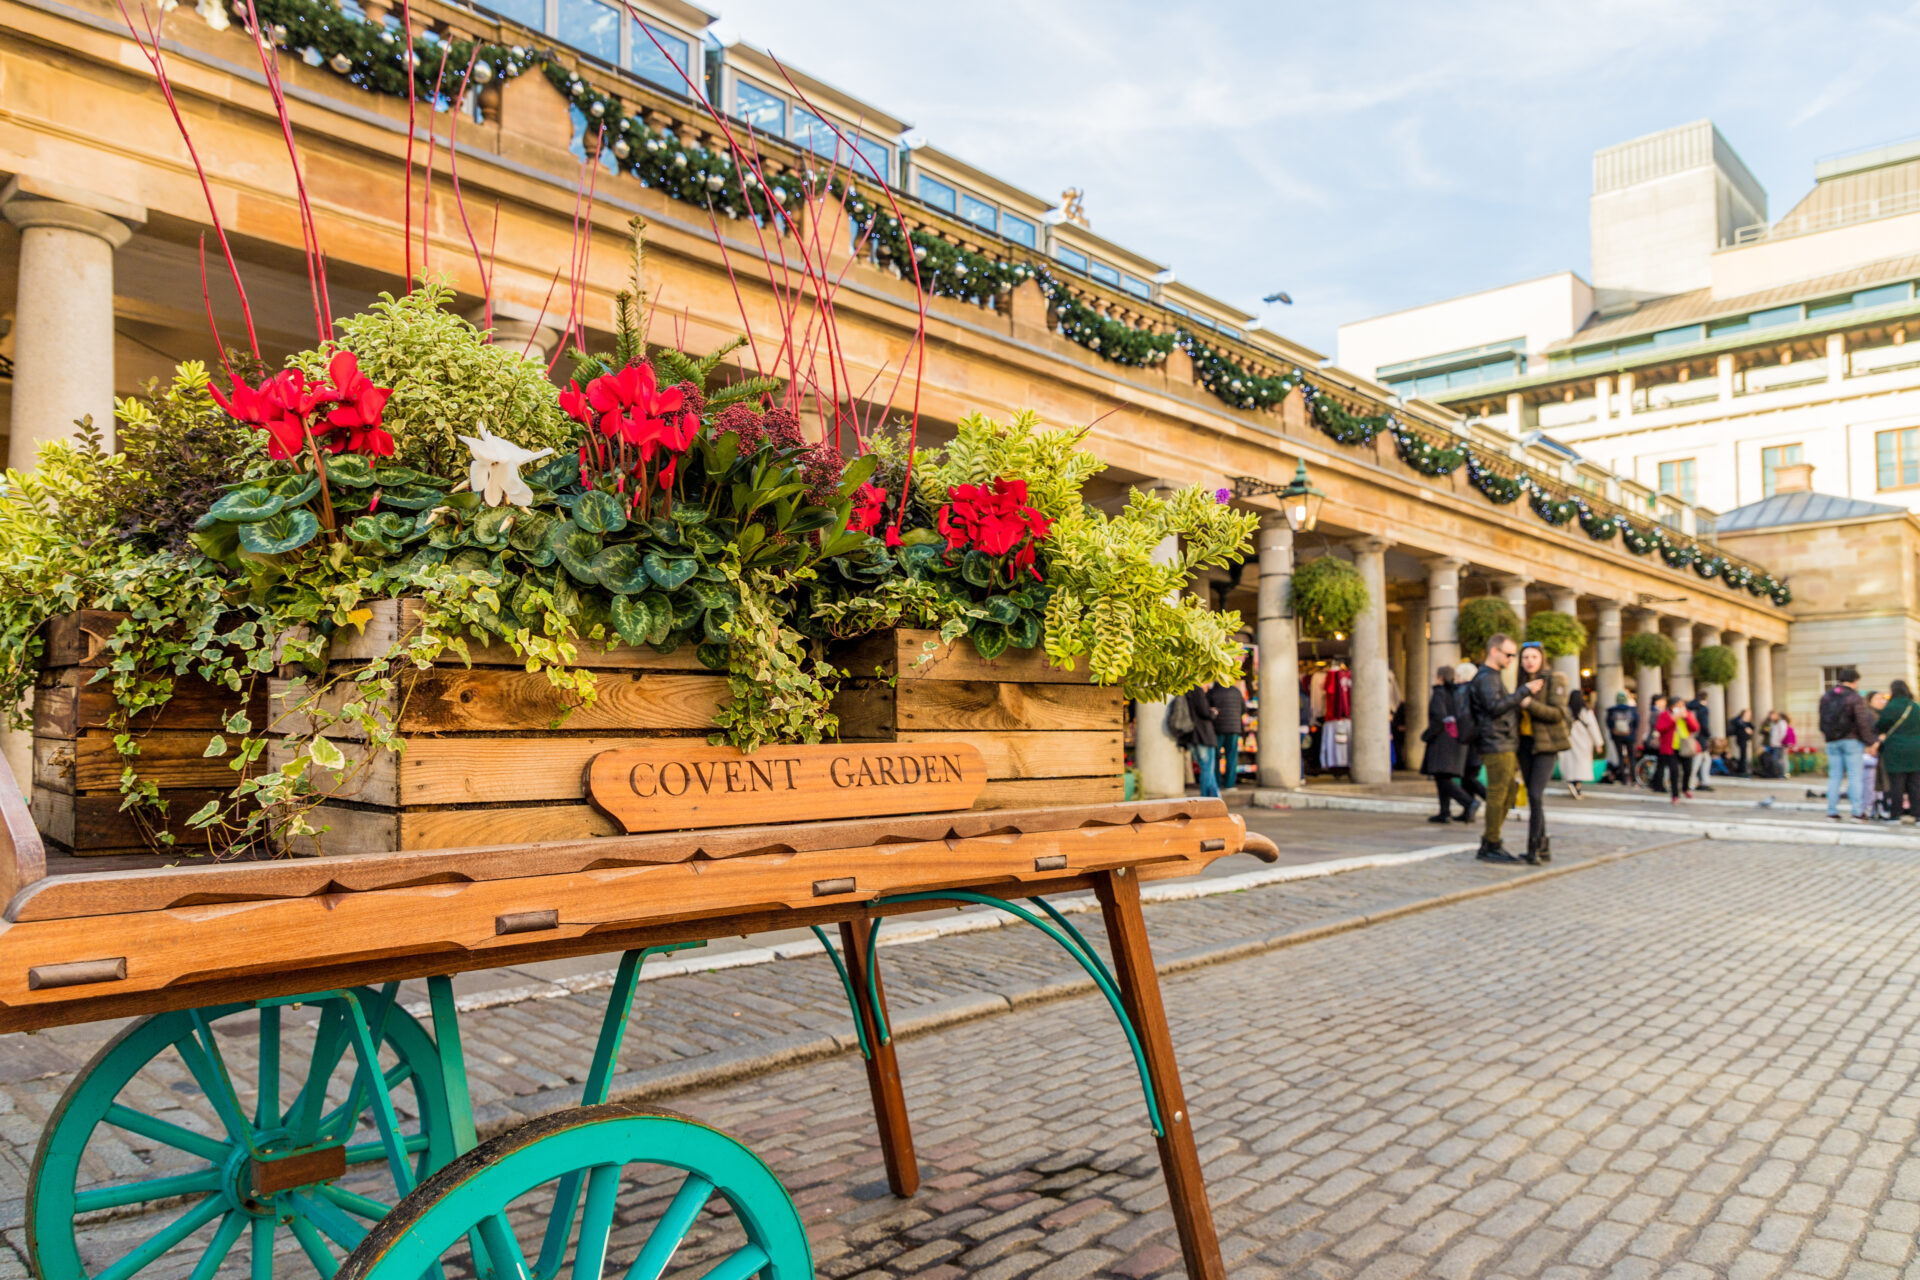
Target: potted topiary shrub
<point>1482,619</point>
<point>1327,594</point>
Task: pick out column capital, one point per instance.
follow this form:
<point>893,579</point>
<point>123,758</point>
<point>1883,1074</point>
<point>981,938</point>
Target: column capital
<point>1445,564</point>
<point>1370,545</point>
<point>1275,522</point>
<point>34,202</point>
<point>1605,602</point>
<point>1511,579</point>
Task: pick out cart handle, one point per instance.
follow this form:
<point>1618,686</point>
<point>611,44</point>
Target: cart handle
<point>23,860</point>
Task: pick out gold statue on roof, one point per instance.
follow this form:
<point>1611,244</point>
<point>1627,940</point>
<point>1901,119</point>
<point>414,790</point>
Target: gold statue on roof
<point>1073,198</point>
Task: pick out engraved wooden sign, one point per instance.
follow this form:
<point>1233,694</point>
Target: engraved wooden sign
<point>678,785</point>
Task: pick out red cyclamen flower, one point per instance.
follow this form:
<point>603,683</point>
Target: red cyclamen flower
<point>869,508</point>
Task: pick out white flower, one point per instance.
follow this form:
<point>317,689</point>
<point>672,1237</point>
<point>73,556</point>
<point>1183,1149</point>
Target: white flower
<point>496,468</point>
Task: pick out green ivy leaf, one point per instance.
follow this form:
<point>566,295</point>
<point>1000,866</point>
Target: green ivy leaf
<point>279,534</point>
<point>600,512</point>
<point>712,655</point>
<point>619,570</point>
<point>671,573</point>
<point>244,506</point>
<point>326,754</point>
<point>216,746</point>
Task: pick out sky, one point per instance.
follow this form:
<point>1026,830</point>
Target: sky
<point>1361,155</point>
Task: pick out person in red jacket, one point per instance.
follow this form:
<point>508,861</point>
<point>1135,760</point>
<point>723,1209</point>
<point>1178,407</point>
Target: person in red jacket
<point>1674,733</point>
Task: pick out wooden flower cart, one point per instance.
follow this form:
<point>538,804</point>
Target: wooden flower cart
<point>358,1140</point>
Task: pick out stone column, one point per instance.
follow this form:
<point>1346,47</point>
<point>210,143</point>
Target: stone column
<point>1716,693</point>
<point>1279,659</point>
<point>1609,679</point>
<point>63,315</point>
<point>1723,376</point>
<point>1443,614</point>
<point>1740,692</point>
<point>1513,589</point>
<point>1836,358</point>
<point>1566,600</point>
<point>1760,676</point>
<point>1371,755</point>
<point>1649,680</point>
<point>1160,759</point>
<point>1680,679</point>
<point>1603,397</point>
<point>1417,679</point>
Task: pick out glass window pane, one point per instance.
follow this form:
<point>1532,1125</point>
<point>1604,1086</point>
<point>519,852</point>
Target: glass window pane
<point>528,13</point>
<point>1885,295</point>
<point>937,193</point>
<point>1719,327</point>
<point>1593,355</point>
<point>761,109</point>
<point>1884,445</point>
<point>877,154</point>
<point>1101,271</point>
<point>664,69</point>
<point>591,27</point>
<point>1176,308</point>
<point>1680,337</point>
<point>1777,316</point>
<point>811,132</point>
<point>1830,306</point>
<point>1018,230</point>
<point>1232,332</point>
<point>980,213</point>
<point>1202,321</point>
<point>1137,287</point>
<point>1072,257</point>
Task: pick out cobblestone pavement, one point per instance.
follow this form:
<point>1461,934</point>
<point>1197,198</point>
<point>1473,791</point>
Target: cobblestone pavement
<point>1460,1060</point>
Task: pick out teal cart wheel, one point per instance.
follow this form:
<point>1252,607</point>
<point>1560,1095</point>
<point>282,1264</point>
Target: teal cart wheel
<point>657,1185</point>
<point>312,1160</point>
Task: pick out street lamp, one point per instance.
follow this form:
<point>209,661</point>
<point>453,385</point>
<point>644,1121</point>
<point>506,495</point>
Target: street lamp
<point>1299,500</point>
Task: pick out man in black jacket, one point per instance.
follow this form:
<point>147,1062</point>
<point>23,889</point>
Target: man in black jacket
<point>1496,726</point>
<point>1229,713</point>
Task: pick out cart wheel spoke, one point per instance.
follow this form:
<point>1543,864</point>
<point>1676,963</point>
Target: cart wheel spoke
<point>261,1244</point>
<point>596,1222</point>
<point>311,1242</point>
<point>368,1152</point>
<point>126,1193</point>
<point>149,1251</point>
<point>176,1136</point>
<point>353,1202</point>
<point>503,1248</point>
<point>740,1265</point>
<point>338,1123</point>
<point>671,1230</point>
<point>210,1073</point>
<point>334,1224</point>
<point>223,1241</point>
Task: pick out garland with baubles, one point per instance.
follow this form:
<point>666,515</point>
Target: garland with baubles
<point>372,57</point>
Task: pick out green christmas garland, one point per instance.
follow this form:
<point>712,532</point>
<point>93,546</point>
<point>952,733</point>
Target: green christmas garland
<point>371,56</point>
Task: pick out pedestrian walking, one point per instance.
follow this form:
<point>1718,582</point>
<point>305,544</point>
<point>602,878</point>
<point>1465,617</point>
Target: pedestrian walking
<point>1781,740</point>
<point>1584,742</point>
<point>1700,765</point>
<point>1543,734</point>
<point>1470,776</point>
<point>1740,730</point>
<point>1229,706</point>
<point>1623,726</point>
<point>1898,725</point>
<point>1447,739</point>
<point>1676,737</point>
<point>1201,742</point>
<point>1496,737</point>
<point>1846,722</point>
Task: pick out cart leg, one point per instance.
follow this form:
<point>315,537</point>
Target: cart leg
<point>1119,895</point>
<point>883,1069</point>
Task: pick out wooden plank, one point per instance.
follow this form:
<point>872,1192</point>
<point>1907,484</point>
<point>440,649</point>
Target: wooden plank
<point>67,702</point>
<point>492,700</point>
<point>159,888</point>
<point>96,824</point>
<point>679,786</point>
<point>1119,894</point>
<point>905,653</point>
<point>1027,793</point>
<point>23,854</point>
<point>393,619</point>
<point>531,824</point>
<point>167,758</point>
<point>344,830</point>
<point>79,639</point>
<point>1041,755</point>
<point>452,923</point>
<point>883,1065</point>
<point>872,709</point>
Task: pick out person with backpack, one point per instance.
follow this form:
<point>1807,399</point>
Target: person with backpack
<point>1701,763</point>
<point>1448,736</point>
<point>1190,721</point>
<point>1846,722</point>
<point>1623,726</point>
<point>1676,738</point>
<point>1228,704</point>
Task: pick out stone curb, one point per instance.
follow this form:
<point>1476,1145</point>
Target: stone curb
<point>727,1066</point>
<point>1845,837</point>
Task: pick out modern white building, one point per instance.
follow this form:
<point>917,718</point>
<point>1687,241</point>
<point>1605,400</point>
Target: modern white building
<point>1713,348</point>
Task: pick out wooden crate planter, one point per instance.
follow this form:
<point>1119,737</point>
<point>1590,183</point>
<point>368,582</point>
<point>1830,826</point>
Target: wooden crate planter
<point>76,770</point>
<point>483,762</point>
<point>1048,736</point>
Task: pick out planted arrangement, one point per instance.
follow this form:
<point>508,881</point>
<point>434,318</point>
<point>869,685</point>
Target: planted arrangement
<point>656,500</point>
<point>1327,594</point>
<point>1647,651</point>
<point>1560,634</point>
<point>1715,664</point>
<point>1482,619</point>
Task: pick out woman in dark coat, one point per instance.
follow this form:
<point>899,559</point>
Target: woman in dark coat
<point>1899,750</point>
<point>1446,758</point>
